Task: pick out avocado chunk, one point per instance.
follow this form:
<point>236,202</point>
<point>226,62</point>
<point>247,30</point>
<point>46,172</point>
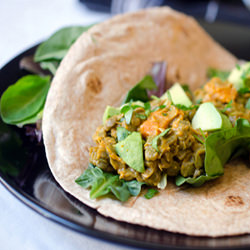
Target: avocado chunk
<point>109,112</point>
<point>208,118</point>
<point>240,76</point>
<point>130,150</point>
<point>177,95</point>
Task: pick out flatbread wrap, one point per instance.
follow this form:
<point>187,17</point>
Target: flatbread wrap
<point>99,69</point>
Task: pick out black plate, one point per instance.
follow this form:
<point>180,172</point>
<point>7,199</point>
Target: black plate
<point>28,177</point>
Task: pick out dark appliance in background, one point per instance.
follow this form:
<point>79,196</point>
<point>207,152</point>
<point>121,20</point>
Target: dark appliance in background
<point>210,10</point>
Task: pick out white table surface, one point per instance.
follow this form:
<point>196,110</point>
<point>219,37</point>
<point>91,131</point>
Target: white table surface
<point>23,23</point>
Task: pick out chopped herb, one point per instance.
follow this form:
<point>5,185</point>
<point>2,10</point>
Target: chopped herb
<point>155,140</point>
<point>159,107</point>
<point>183,107</point>
<point>198,139</point>
<point>203,135</point>
<point>228,106</point>
<point>154,97</point>
<point>147,108</point>
<point>151,193</point>
<point>223,75</point>
<point>141,116</point>
<point>247,106</point>
<point>127,110</point>
<point>237,66</point>
<point>186,88</point>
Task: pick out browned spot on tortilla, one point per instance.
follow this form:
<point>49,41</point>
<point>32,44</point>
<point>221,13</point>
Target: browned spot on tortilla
<point>234,201</point>
<point>95,85</point>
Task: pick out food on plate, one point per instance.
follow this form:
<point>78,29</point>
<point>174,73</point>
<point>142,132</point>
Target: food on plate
<point>162,155</point>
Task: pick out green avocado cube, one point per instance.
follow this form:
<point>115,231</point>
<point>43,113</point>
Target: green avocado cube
<point>177,95</point>
<point>109,112</point>
<point>208,118</point>
<point>130,150</point>
<point>240,76</point>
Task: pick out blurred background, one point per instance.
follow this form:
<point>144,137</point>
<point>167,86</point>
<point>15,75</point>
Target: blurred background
<point>209,10</point>
<point>27,22</point>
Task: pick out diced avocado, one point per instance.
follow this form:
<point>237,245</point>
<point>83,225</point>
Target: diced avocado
<point>208,118</point>
<point>130,150</point>
<point>109,112</point>
<point>240,76</point>
<point>177,95</point>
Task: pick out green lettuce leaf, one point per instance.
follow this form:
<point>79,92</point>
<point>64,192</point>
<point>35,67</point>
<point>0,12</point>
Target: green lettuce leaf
<point>139,91</point>
<point>220,147</point>
<point>101,183</point>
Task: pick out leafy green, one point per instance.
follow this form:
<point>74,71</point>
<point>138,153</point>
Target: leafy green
<point>155,140</point>
<point>23,100</point>
<point>139,91</point>
<point>158,107</point>
<point>220,147</point>
<point>127,110</point>
<point>223,75</point>
<point>122,133</point>
<point>50,65</point>
<point>243,91</point>
<point>155,97</point>
<point>185,108</point>
<point>102,183</point>
<point>196,182</point>
<point>228,106</point>
<point>151,193</point>
<point>141,116</point>
<point>52,51</point>
<point>58,44</point>
<point>247,106</point>
<point>147,108</point>
<point>198,139</point>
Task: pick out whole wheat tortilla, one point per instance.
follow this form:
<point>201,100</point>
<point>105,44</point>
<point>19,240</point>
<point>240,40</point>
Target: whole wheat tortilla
<point>98,70</point>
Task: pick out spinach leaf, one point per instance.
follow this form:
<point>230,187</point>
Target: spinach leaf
<point>58,44</point>
<point>223,75</point>
<point>139,91</point>
<point>23,100</point>
<point>122,133</point>
<point>196,182</point>
<point>102,183</point>
<point>155,140</point>
<point>220,147</point>
<point>151,193</point>
<point>52,51</point>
